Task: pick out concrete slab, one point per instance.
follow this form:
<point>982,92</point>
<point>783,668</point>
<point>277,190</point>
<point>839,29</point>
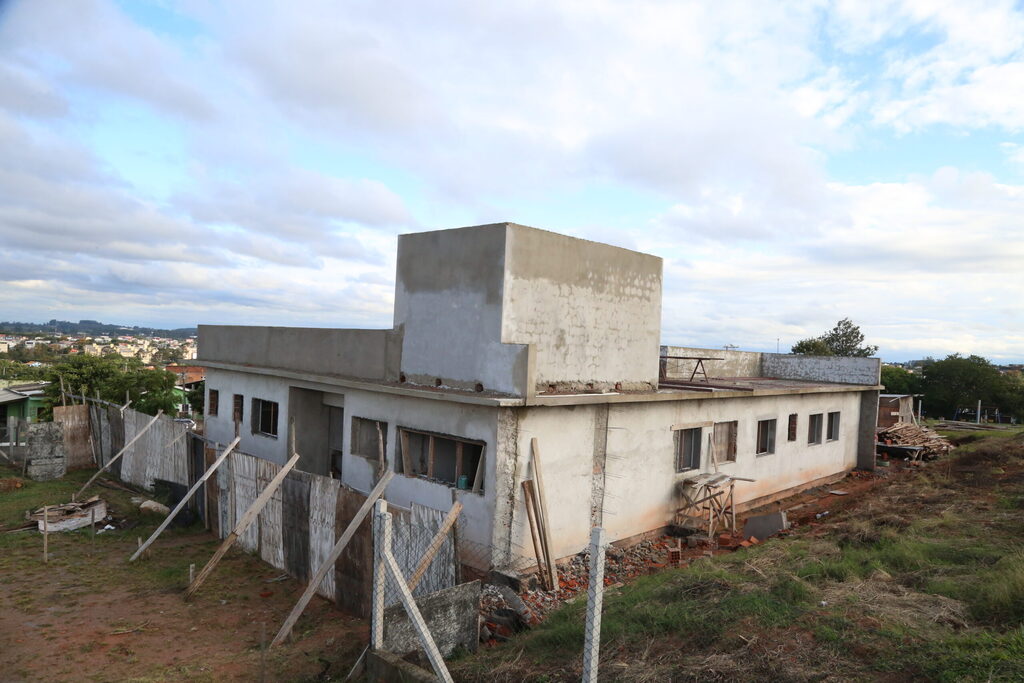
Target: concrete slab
<point>764,526</point>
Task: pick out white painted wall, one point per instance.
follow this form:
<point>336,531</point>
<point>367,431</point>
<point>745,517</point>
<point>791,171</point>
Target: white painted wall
<point>640,476</point>
<point>221,428</point>
<point>565,437</point>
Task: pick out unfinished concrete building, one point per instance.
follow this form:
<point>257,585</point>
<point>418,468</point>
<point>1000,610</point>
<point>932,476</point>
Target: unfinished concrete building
<point>504,334</point>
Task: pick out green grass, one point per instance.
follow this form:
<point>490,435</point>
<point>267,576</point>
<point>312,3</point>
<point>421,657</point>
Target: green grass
<point>924,580</point>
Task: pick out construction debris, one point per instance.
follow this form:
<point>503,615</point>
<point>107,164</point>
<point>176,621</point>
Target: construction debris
<point>927,444</point>
<point>764,526</point>
<point>155,507</point>
<point>70,516</point>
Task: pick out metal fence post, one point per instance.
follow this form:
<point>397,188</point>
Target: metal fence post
<point>381,543</point>
<point>595,598</point>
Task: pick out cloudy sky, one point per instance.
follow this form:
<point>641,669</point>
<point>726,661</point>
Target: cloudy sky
<point>173,163</point>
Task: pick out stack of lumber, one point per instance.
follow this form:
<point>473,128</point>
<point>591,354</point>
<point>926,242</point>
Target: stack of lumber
<point>69,516</point>
<point>907,434</point>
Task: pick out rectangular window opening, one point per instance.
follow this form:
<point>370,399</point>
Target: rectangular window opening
<point>688,449</point>
<point>765,437</point>
<point>237,408</point>
<point>832,434</point>
<point>369,438</point>
<point>792,427</point>
<point>213,403</point>
<point>724,441</point>
<point>814,428</point>
<point>445,459</point>
<point>264,417</point>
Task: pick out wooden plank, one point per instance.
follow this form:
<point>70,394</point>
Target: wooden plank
<point>543,510</point>
<point>406,467</point>
<point>328,564</point>
<point>430,457</point>
<point>119,454</point>
<point>242,525</point>
<point>435,545</point>
<point>458,462</point>
<point>380,446</point>
<point>478,478</point>
<point>184,501</point>
<point>542,567</point>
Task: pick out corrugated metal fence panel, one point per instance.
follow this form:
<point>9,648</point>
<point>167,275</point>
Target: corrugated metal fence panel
<point>115,423</point>
<point>295,523</point>
<point>441,572</point>
<point>129,465</point>
<point>246,490</point>
<point>271,538</point>
<point>99,425</point>
<point>225,497</point>
<point>323,501</point>
<point>168,452</point>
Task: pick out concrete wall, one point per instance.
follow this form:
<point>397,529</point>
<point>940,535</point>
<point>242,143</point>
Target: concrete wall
<point>733,363</point>
<point>822,368</point>
<point>368,354</point>
<point>838,369</point>
<point>473,422</point>
<point>452,616</point>
<point>635,485</point>
<point>221,428</point>
<point>448,301</point>
<point>592,311</point>
<point>47,459</point>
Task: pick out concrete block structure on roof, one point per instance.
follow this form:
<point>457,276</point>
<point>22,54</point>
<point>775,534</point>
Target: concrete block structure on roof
<point>503,334</point>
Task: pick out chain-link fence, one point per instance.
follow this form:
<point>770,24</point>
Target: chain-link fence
<point>427,569</point>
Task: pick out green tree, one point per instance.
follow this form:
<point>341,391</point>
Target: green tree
<point>845,339</point>
<point>13,370</point>
<point>899,381</point>
<point>197,397</point>
<point>113,378</point>
<point>960,382</point>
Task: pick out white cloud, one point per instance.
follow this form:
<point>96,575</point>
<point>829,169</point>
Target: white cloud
<point>306,136</point>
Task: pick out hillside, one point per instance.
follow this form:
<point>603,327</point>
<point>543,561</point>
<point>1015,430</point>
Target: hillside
<point>920,577</point>
<point>92,328</point>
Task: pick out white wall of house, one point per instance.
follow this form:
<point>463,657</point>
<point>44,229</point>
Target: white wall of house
<point>221,427</point>
<point>639,480</point>
<point>473,422</point>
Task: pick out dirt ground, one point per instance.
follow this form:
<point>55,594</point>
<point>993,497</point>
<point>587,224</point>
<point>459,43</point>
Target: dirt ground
<point>89,615</point>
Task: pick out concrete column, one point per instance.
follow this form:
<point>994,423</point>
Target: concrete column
<point>866,430</point>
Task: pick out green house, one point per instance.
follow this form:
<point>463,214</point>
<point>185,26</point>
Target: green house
<point>23,401</point>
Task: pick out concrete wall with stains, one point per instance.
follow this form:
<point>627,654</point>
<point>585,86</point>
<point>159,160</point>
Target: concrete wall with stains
<point>636,464</point>
<point>822,368</point>
<point>448,301</point>
<point>367,354</point>
<point>727,363</point>
<point>592,311</point>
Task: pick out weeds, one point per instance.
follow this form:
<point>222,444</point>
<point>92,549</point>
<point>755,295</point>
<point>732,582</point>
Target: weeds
<point>926,581</point>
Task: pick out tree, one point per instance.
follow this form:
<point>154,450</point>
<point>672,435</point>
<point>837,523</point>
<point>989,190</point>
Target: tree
<point>899,381</point>
<point>844,339</point>
<point>959,382</point>
<point>197,397</point>
<point>113,377</point>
